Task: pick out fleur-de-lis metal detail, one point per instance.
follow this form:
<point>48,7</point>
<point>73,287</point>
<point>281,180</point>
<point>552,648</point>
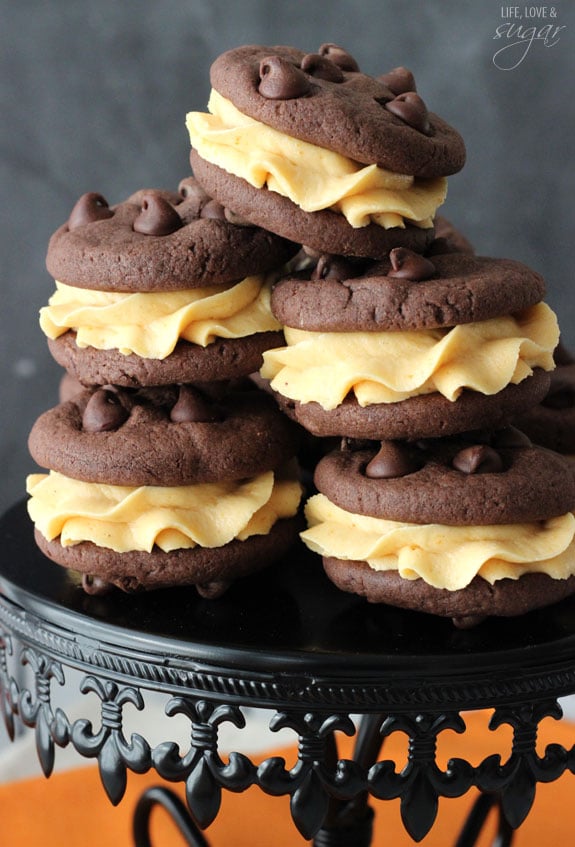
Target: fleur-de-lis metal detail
<point>421,782</point>
<point>8,688</point>
<point>202,769</point>
<point>515,781</point>
<point>312,782</point>
<point>115,755</point>
<point>35,708</point>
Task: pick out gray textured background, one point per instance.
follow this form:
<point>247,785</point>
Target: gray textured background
<point>94,96</point>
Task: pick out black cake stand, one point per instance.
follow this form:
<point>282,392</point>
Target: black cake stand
<point>320,661</point>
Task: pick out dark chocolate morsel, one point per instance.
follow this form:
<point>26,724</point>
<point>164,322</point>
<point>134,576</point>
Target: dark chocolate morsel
<point>391,461</point>
<point>192,407</point>
<point>281,80</point>
<point>321,67</point>
<point>96,586</point>
<point>89,208</point>
<point>157,216</point>
<point>479,458</point>
<point>405,264</point>
<point>214,210</point>
<point>399,80</point>
<point>339,57</point>
<point>510,436</point>
<point>561,394</point>
<point>411,109</point>
<point>236,219</point>
<point>334,267</point>
<point>104,412</point>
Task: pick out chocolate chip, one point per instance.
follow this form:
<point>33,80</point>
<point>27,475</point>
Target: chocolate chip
<point>192,192</point>
<point>157,216</point>
<point>334,267</point>
<point>95,585</point>
<point>234,218</point>
<point>280,80</point>
<point>339,57</point>
<point>391,461</point>
<point>321,67</point>
<point>411,109</point>
<point>405,264</point>
<point>479,458</point>
<point>214,210</point>
<point>561,394</point>
<point>399,80</point>
<point>89,208</point>
<point>104,412</point>
<point>193,407</point>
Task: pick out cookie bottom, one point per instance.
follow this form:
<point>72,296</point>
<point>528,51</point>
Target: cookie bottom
<point>210,570</point>
<point>222,359</point>
<point>424,416</point>
<point>467,606</point>
<point>324,230</point>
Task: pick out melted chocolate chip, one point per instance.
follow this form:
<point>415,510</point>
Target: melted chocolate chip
<point>157,216</point>
<point>321,67</point>
<point>334,267</point>
<point>561,394</point>
<point>405,264</point>
<point>399,80</point>
<point>104,411</point>
<point>193,407</point>
<point>280,80</point>
<point>89,208</point>
<point>479,458</point>
<point>339,57</point>
<point>234,218</point>
<point>391,461</point>
<point>411,109</point>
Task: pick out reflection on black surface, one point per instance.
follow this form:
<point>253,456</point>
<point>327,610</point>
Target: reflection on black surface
<point>290,606</point>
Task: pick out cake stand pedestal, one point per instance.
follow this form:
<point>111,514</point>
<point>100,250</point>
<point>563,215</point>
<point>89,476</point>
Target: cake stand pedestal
<point>322,663</point>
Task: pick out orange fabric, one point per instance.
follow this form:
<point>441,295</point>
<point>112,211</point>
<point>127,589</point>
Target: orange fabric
<point>71,808</point>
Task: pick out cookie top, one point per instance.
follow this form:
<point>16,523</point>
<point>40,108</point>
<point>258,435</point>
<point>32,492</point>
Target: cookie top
<point>163,436</point>
<point>404,292</point>
<point>324,99</point>
<point>159,240</point>
<point>474,480</point>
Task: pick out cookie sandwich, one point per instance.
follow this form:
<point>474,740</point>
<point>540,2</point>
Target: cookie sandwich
<point>465,527</point>
<point>162,288</point>
<point>411,346</point>
<point>164,486</point>
<point>311,148</point>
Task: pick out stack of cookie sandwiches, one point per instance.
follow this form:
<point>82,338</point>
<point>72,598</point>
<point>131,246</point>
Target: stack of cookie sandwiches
<point>410,349</point>
<point>166,465</point>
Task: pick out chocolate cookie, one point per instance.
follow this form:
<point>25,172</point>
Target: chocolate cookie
<point>179,435</point>
<point>424,416</point>
<point>324,102</point>
<point>467,606</point>
<point>159,240</point>
<point>323,98</point>
<point>162,288</point>
<point>469,527</point>
<point>324,230</point>
<point>474,479</point>
<point>404,292</point>
<point>221,359</point>
<point>151,488</point>
<point>210,570</point>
